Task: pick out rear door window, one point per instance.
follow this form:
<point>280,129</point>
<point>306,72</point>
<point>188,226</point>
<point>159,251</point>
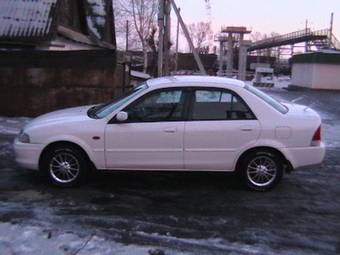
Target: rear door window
<point>217,104</point>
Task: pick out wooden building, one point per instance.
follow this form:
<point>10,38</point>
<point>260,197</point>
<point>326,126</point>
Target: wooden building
<point>56,54</point>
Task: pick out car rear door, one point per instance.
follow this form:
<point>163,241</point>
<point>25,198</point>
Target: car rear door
<point>152,138</point>
<point>220,125</point>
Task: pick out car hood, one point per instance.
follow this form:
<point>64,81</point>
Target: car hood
<point>65,115</point>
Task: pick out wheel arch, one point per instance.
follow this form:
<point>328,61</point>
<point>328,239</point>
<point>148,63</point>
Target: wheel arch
<point>64,142</point>
<point>287,165</point>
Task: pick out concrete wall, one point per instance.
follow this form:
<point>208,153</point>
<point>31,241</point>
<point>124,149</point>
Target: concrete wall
<point>316,75</point>
<point>302,75</point>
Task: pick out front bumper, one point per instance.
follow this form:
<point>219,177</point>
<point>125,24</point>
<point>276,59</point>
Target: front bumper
<point>27,155</point>
<point>305,156</point>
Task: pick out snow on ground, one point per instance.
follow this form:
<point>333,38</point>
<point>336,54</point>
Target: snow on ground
<point>213,244</point>
<point>16,239</point>
<point>12,126</point>
<point>282,81</point>
<point>5,149</point>
<point>279,82</point>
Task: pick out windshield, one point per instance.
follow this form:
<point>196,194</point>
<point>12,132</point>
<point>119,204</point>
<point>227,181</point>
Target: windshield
<point>268,99</point>
<point>103,110</point>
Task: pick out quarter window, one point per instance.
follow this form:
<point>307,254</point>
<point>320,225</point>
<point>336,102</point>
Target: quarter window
<point>219,105</point>
<point>268,99</point>
<point>158,106</point>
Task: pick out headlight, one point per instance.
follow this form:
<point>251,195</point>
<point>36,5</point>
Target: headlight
<point>23,137</point>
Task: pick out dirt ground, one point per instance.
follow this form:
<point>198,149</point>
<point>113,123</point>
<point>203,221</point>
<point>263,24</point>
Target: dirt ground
<point>176,213</point>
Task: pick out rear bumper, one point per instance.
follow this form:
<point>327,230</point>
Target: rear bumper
<point>305,156</point>
<point>27,155</point>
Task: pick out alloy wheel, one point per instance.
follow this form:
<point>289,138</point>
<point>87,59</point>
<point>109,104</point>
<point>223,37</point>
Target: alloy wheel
<point>64,167</point>
<point>262,171</point>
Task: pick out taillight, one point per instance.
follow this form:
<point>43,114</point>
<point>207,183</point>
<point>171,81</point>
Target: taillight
<point>317,137</point>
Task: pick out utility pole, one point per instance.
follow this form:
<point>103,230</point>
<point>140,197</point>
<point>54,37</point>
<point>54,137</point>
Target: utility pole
<point>306,44</point>
<point>177,42</point>
<point>164,24</point>
<point>331,30</point>
<point>187,35</point>
<point>160,37</point>
<point>167,36</point>
<point>127,36</point>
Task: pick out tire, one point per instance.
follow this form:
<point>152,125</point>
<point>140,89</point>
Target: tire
<point>261,170</point>
<point>65,165</point>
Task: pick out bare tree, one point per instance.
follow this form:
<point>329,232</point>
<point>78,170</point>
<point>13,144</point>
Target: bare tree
<point>257,36</point>
<point>201,33</point>
<point>274,34</point>
<point>152,42</point>
<point>142,16</point>
<point>208,9</point>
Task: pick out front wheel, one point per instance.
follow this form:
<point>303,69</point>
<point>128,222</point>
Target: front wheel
<point>65,165</point>
<point>262,170</point>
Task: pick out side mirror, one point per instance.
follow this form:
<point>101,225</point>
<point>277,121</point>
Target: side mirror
<point>122,116</point>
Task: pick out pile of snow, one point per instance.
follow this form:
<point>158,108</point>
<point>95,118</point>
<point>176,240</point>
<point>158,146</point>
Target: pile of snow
<point>12,126</point>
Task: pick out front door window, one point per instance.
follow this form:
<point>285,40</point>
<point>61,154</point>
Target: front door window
<point>160,106</point>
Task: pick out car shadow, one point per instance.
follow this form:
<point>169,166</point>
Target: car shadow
<point>164,190</point>
<point>164,180</point>
<point>148,193</point>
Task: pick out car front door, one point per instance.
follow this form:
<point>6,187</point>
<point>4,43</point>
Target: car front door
<point>152,137</point>
<point>220,125</point>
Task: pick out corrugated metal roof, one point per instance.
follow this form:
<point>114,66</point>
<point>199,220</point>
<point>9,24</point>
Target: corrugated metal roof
<point>27,20</point>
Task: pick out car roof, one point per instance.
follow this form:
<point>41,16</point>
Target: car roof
<point>193,80</point>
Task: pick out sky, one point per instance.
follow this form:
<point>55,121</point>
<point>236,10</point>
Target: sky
<point>265,16</point>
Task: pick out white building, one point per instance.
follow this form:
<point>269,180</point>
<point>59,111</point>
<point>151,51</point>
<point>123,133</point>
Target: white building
<point>318,70</point>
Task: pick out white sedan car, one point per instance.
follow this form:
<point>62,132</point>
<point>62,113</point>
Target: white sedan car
<point>188,123</point>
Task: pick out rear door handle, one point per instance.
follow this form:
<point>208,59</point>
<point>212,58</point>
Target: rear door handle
<point>170,130</point>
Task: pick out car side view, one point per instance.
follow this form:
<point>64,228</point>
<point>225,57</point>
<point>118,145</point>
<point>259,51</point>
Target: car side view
<point>184,123</point>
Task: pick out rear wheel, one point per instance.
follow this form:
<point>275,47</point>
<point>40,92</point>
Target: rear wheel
<point>65,165</point>
<point>262,170</point>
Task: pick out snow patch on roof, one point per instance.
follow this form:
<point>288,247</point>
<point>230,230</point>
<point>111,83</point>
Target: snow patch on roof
<point>96,17</point>
<point>98,7</point>
<point>140,75</point>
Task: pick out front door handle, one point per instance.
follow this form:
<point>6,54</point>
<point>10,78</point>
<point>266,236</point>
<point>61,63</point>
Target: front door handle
<point>246,128</point>
<point>170,130</point>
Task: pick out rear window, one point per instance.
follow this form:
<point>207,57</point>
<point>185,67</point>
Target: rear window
<point>268,99</point>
